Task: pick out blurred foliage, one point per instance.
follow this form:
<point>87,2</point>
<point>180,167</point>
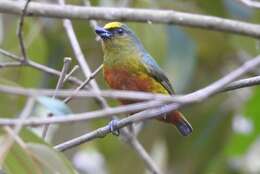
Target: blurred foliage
<point>226,131</point>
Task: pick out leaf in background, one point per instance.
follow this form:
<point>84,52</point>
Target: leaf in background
<point>51,161</point>
<point>55,106</point>
<point>19,161</point>
<point>37,158</point>
<point>181,57</point>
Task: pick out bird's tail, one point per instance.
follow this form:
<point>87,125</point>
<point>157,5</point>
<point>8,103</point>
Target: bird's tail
<point>179,121</point>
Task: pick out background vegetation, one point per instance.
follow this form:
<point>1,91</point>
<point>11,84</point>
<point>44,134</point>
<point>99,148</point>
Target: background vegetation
<point>226,127</point>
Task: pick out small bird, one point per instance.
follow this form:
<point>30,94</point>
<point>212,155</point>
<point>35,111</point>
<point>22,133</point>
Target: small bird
<point>128,66</point>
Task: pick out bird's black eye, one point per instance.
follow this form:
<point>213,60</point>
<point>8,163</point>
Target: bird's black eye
<point>120,31</point>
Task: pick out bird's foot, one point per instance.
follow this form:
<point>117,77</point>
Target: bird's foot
<point>113,127</point>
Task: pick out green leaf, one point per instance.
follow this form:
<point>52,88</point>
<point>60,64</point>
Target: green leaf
<point>37,157</point>
<point>51,161</point>
<point>19,161</point>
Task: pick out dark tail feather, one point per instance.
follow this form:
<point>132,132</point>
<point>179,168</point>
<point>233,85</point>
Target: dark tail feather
<point>180,122</point>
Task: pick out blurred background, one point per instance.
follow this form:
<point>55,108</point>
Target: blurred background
<point>226,127</point>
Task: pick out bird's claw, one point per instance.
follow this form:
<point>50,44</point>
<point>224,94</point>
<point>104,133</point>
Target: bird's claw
<point>113,127</point>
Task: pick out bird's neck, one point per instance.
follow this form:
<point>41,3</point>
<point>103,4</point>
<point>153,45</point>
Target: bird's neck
<point>125,56</point>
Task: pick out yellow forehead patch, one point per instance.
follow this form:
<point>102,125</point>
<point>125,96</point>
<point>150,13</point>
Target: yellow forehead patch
<point>113,25</point>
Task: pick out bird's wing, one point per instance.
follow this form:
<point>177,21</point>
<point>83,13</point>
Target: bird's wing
<point>157,73</point>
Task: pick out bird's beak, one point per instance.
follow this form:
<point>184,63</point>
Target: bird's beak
<point>103,33</point>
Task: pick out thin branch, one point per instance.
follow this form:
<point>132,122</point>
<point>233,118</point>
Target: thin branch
<point>20,31</point>
<point>86,82</point>
<point>38,66</point>
<point>137,15</point>
<point>73,70</point>
<point>250,3</point>
<point>118,94</point>
<point>10,64</point>
<point>71,118</point>
<point>64,71</point>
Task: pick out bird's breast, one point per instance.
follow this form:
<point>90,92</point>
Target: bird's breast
<point>123,79</point>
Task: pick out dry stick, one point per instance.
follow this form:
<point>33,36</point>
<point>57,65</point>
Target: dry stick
<point>20,31</point>
<point>195,97</point>
<point>86,82</point>
<point>73,70</point>
<point>130,14</point>
<point>250,3</point>
<point>10,139</point>
<point>87,72</point>
<point>38,66</point>
<point>60,83</point>
<point>10,64</point>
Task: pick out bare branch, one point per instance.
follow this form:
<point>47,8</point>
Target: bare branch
<point>74,69</point>
<point>119,94</point>
<point>10,64</point>
<point>86,82</point>
<point>20,31</point>
<point>250,3</point>
<point>64,71</point>
<point>38,66</point>
<point>137,15</point>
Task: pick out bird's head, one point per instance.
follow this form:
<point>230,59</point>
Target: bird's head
<point>116,35</point>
